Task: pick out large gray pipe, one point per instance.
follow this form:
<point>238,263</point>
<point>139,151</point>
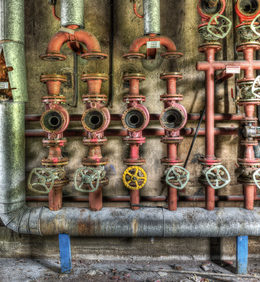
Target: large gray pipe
<point>72,13</point>
<point>152,16</point>
<point>12,44</point>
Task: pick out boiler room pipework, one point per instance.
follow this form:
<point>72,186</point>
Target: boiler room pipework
<point>152,38</point>
<point>92,177</point>
<point>173,119</point>
<point>135,119</point>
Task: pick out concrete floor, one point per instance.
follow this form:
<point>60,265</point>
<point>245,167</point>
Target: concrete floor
<point>123,270</point>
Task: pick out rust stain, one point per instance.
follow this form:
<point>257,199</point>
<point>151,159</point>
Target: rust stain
<point>135,227</point>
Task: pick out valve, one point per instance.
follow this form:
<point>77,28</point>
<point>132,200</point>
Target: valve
<point>177,177</point>
<point>89,176</point>
<point>96,120</point>
<point>42,180</point>
<point>256,87</point>
<point>256,177</point>
<point>217,177</point>
<point>134,178</point>
<point>173,118</point>
<point>247,10</point>
<point>255,26</point>
<point>219,26</point>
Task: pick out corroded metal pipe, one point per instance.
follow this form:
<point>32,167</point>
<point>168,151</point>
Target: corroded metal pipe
<point>152,17</point>
<point>72,13</point>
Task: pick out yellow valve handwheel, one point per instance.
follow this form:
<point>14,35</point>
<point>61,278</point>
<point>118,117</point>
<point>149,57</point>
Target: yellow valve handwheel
<point>134,178</point>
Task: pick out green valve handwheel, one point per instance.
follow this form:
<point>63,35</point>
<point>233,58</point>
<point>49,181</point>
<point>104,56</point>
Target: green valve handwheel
<point>217,177</point>
<point>256,177</point>
<point>177,177</point>
<point>255,26</point>
<point>219,26</point>
<point>89,176</point>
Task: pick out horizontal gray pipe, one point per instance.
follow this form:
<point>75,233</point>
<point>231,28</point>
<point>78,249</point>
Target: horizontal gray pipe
<point>72,13</point>
<point>148,222</point>
<point>152,16</point>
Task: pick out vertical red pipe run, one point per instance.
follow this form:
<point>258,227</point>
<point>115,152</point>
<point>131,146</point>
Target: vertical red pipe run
<point>172,192</point>
<point>210,137</point>
<point>134,194</point>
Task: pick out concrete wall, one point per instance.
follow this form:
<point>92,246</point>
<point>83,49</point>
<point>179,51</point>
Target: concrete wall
<point>179,21</point>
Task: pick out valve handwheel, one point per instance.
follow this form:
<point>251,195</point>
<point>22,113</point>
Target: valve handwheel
<point>177,177</point>
<point>217,177</point>
<point>89,176</point>
<point>219,26</point>
<point>255,26</point>
<point>256,177</point>
<point>134,178</point>
<point>256,87</point>
<point>41,180</point>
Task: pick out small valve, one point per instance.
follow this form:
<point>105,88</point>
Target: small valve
<point>177,177</point>
<point>255,26</point>
<point>42,180</point>
<point>256,87</point>
<point>134,178</point>
<point>217,177</point>
<point>256,177</point>
<point>219,26</point>
<point>89,176</point>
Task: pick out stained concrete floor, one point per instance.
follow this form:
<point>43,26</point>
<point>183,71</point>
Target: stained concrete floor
<point>123,270</point>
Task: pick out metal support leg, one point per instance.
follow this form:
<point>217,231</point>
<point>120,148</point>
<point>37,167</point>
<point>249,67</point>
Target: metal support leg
<point>65,253</point>
<point>242,254</point>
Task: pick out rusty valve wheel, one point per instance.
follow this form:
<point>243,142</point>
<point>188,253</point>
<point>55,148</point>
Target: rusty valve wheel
<point>42,180</point>
<point>89,176</point>
<point>177,177</point>
<point>217,177</point>
<point>134,178</point>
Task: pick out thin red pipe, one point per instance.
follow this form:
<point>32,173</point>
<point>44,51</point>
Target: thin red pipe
<point>136,12</point>
<point>150,132</point>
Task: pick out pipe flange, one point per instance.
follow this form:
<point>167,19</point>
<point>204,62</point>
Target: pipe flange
<point>55,120</point>
<point>54,142</point>
<point>244,102</point>
<point>94,76</point>
<point>134,56</point>
<point>52,77</point>
<point>96,120</point>
<point>95,161</point>
<point>208,37</point>
<point>169,75</point>
<point>171,55</point>
<point>247,10</point>
<point>208,163</point>
<point>169,162</point>
<point>173,118</point>
<point>249,142</point>
<point>205,46</point>
<point>94,98</point>
<point>207,9</point>
<point>53,57</point>
<point>130,76</point>
<point>94,56</point>
<point>172,140</point>
<point>53,99</point>
<point>56,162</point>
<point>132,162</point>
<point>133,140</point>
<point>132,98</point>
<point>171,97</point>
<point>95,141</point>
<point>246,34</point>
<point>135,118</point>
<point>245,45</point>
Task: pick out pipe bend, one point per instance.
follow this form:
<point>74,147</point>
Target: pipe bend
<point>56,42</point>
<point>138,43</point>
<point>89,40</point>
<point>168,43</point>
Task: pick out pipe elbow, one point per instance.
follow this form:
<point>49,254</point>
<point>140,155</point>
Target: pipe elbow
<point>138,43</point>
<point>54,47</point>
<point>89,40</point>
<point>168,44</point>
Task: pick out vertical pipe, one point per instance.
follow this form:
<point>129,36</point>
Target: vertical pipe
<point>72,13</point>
<point>96,200</point>
<point>249,192</point>
<point>55,198</point>
<point>172,199</point>
<point>242,254</point>
<point>152,17</point>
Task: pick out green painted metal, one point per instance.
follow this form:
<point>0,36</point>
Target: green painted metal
<point>219,26</point>
<point>217,177</point>
<point>177,177</point>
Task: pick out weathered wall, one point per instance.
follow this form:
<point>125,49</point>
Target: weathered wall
<point>179,21</point>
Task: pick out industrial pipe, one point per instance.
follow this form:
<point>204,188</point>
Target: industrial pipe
<point>72,13</point>
<point>152,17</point>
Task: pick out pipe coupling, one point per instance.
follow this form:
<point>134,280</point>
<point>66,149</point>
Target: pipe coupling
<point>96,120</point>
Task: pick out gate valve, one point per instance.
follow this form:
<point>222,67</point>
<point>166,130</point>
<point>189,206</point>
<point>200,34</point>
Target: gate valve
<point>256,87</point>
<point>177,177</point>
<point>256,177</point>
<point>134,178</point>
<point>219,26</point>
<point>217,177</point>
<point>255,26</point>
<point>44,179</point>
<point>89,176</point>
